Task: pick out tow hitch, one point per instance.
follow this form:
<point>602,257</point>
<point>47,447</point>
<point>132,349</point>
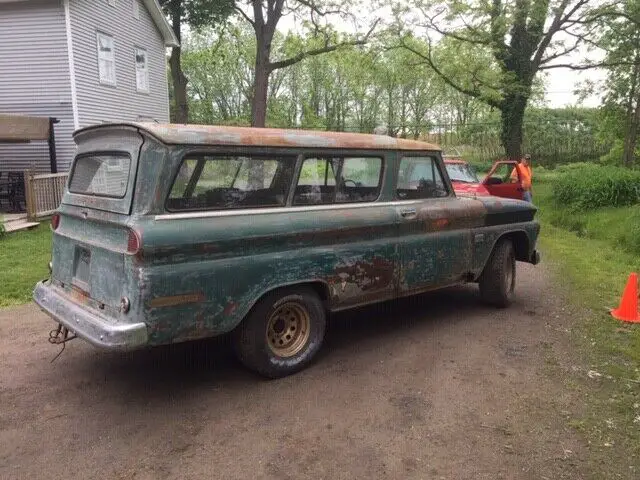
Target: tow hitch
<point>60,336</point>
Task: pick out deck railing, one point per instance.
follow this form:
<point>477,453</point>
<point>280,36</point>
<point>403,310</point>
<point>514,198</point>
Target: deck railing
<point>43,193</point>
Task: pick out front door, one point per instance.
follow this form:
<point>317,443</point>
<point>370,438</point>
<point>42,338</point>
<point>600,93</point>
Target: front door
<point>435,227</point>
<point>504,181</point>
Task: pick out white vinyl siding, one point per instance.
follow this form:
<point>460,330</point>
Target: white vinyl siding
<point>35,80</point>
<point>142,70</point>
<point>106,59</point>
<point>99,103</point>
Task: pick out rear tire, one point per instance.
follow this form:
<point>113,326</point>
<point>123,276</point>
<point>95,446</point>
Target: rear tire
<point>498,279</point>
<point>282,334</point>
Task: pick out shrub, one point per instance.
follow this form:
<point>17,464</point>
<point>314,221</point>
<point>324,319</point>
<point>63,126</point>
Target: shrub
<point>2,230</point>
<point>591,186</point>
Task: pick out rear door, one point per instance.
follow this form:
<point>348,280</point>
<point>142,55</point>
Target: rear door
<point>91,240</point>
<point>503,180</point>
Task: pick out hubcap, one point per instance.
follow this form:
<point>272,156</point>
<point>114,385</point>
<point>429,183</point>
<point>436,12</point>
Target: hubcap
<point>288,329</point>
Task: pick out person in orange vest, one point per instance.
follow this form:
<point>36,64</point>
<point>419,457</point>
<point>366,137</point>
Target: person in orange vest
<point>523,171</point>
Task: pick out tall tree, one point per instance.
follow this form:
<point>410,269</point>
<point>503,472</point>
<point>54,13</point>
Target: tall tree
<point>523,37</point>
<point>264,15</point>
<point>620,36</point>
<point>196,14</point>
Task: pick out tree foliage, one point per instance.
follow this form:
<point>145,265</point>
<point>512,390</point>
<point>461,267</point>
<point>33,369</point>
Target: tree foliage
<point>196,14</point>
<point>619,35</point>
<point>513,41</point>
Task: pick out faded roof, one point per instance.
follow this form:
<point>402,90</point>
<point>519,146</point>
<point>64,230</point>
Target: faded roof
<point>178,134</point>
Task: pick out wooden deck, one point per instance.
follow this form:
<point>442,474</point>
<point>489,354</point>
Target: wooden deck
<point>14,222</point>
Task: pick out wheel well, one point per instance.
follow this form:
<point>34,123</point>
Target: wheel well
<point>319,287</point>
<point>520,242</point>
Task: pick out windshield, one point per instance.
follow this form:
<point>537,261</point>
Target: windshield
<point>461,172</point>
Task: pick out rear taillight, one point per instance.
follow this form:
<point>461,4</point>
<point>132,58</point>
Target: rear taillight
<point>133,243</point>
<point>55,221</point>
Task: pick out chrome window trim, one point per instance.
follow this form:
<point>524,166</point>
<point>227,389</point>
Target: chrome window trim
<point>276,210</point>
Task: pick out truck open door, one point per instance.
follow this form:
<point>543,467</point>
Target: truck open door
<point>503,180</point>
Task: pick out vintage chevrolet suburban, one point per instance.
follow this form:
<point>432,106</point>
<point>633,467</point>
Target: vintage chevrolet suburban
<point>168,233</point>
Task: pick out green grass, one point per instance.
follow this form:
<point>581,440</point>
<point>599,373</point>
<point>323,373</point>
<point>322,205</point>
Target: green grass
<point>24,257</point>
<point>594,265</point>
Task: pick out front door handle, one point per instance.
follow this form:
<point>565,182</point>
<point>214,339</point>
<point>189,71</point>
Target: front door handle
<point>408,212</point>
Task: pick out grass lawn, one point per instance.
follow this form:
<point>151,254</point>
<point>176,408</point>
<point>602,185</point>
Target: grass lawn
<point>596,268</point>
<point>24,257</point>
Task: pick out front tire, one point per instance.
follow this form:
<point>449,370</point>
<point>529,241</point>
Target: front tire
<point>498,279</point>
<point>282,334</point>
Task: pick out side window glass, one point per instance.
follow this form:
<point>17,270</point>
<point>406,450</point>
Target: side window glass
<point>317,182</point>
<point>231,181</point>
<point>338,180</point>
<point>360,179</point>
<point>420,177</point>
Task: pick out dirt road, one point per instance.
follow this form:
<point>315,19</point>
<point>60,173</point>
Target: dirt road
<point>435,387</point>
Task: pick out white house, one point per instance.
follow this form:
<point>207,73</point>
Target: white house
<point>82,62</point>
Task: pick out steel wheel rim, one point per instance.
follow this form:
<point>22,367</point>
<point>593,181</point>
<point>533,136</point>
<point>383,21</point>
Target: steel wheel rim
<point>288,329</point>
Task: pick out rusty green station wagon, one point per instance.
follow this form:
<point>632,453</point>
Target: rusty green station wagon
<point>169,233</point>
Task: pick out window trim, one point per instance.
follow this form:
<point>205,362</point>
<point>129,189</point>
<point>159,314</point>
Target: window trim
<point>194,154</point>
<point>98,55</point>
<point>308,155</point>
<point>136,9</point>
<point>119,153</point>
<point>438,163</point>
<point>136,49</point>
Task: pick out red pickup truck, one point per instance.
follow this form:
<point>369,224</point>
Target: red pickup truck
<point>498,182</point>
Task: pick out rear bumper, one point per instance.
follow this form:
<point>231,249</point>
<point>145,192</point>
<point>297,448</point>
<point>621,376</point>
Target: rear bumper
<point>87,325</point>
<point>535,257</point>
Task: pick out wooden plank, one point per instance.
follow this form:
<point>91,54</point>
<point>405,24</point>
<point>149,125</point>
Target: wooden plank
<point>21,128</point>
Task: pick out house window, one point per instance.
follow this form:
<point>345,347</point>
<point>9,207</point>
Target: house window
<point>142,70</point>
<point>106,59</point>
<point>136,10</point>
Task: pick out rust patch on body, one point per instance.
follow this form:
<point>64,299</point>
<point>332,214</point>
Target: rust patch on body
<point>172,301</point>
<point>374,275</point>
<point>230,308</point>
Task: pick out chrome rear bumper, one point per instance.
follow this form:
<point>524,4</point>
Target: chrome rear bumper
<point>86,324</point>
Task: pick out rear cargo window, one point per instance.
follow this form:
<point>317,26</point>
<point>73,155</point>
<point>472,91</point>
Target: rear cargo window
<point>101,174</point>
<point>231,181</point>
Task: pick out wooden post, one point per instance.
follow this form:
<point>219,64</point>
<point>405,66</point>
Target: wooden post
<point>29,195</point>
<point>52,145</point>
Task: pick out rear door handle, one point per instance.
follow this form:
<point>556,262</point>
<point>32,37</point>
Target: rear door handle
<point>408,212</point>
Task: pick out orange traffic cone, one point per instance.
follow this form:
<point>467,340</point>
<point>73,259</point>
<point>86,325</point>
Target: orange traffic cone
<point>628,309</point>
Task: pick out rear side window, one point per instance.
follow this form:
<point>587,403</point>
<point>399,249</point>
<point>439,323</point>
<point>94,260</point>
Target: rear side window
<point>338,180</point>
<point>207,182</point>
<point>420,177</point>
<point>101,174</point>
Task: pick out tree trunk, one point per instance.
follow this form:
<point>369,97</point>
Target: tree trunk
<point>633,118</point>
<point>181,112</point>
<point>260,86</point>
<point>512,119</point>
<point>632,135</point>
